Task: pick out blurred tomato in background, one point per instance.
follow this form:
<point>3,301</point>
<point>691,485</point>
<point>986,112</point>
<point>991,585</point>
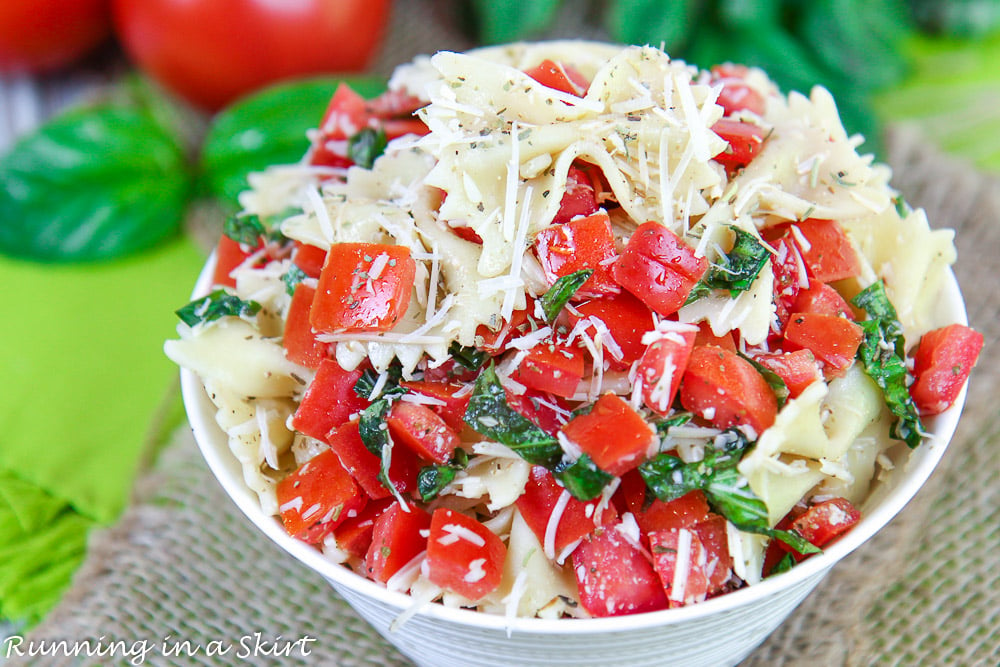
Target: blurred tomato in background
<point>43,35</point>
<point>211,52</point>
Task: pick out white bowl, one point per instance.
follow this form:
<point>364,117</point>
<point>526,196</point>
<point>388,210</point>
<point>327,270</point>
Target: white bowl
<point>720,631</point>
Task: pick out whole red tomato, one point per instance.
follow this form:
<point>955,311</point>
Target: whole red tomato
<point>212,51</point>
<point>41,35</point>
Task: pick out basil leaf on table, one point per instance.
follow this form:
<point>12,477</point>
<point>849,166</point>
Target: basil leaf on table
<point>92,184</point>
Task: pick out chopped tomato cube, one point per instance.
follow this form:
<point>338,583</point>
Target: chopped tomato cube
<point>560,76</point>
<point>453,410</point>
<point>796,369</point>
<point>614,578</point>
<point>827,252</point>
<point>627,319</point>
<point>363,287</point>
<point>706,336</point>
<point>578,199</point>
<point>299,341</point>
<point>727,390</point>
<point>714,537</point>
<point>345,116</point>
<point>494,341</point>
<point>833,339</point>
<point>789,277</point>
<point>317,497</point>
<point>615,437</point>
<point>417,426</point>
<point>651,513</point>
<point>659,268</point>
<point>229,254</point>
<point>396,540</point>
<point>582,243</point>
<point>463,555</point>
<point>329,400</point>
<point>661,368</point>
<point>745,141</point>
<point>821,298</point>
<point>556,518</point>
<point>551,367</point>
<point>309,258</point>
<point>354,534</point>
<point>823,522</point>
<point>736,94</point>
<point>943,361</point>
<point>681,563</point>
<point>364,466</point>
<point>545,412</point>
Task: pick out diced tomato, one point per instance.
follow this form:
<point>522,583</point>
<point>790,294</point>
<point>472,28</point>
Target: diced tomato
<point>706,336</point>
<point>552,368</point>
<point>354,534</point>
<point>363,287</point>
<point>345,116</point>
<point>394,104</point>
<point>828,252</point>
<point>493,341</point>
<point>714,537</point>
<point>659,268</point>
<point>613,577</point>
<point>626,317</point>
<point>228,255</point>
<point>661,368</point>
<point>453,410</point>
<point>681,563</point>
<point>542,494</point>
<point>824,522</point>
<point>396,540</point>
<point>776,549</point>
<point>329,400</point>
<point>745,141</point>
<point>450,371</point>
<point>614,435</point>
<point>463,555</point>
<point>789,275</point>
<point>418,427</point>
<point>299,341</point>
<point>578,199</point>
<point>309,258</point>
<point>537,408</point>
<point>651,513</point>
<point>560,76</point>
<point>317,497</point>
<point>943,361</point>
<point>834,340</point>
<point>736,94</point>
<point>364,466</point>
<point>797,369</point>
<point>466,233</point>
<point>727,390</point>
<point>821,298</point>
<point>582,243</point>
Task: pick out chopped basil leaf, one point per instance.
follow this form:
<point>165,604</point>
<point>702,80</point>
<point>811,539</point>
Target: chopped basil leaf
<point>432,479</point>
<point>881,351</point>
<point>219,303</point>
<point>664,425</point>
<point>365,386</point>
<point>292,278</point>
<point>469,357</point>
<point>902,208</point>
<point>490,415</point>
<point>582,478</point>
<point>561,292</point>
<point>773,380</point>
<point>366,146</point>
<point>735,270</point>
<point>372,427</point>
<point>245,229</point>
<point>786,563</point>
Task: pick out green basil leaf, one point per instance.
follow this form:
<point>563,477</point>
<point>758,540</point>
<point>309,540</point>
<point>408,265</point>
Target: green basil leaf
<point>268,128</point>
<point>245,229</point>
<point>366,146</point>
<point>365,385</point>
<point>468,357</point>
<point>372,427</point>
<point>664,425</point>
<point>292,278</point>
<point>582,478</point>
<point>562,290</point>
<point>432,479</point>
<point>773,380</point>
<point>500,21</point>
<point>92,184</point>
<point>490,415</point>
<point>786,563</point>
<point>736,270</point>
<point>669,478</point>
<point>216,305</point>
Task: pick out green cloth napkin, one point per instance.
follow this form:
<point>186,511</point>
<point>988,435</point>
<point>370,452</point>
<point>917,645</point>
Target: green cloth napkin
<point>84,379</point>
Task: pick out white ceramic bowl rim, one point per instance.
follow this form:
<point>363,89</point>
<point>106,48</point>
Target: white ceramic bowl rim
<point>921,463</point>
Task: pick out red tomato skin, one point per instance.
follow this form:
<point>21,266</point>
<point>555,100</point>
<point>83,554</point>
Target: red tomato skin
<point>494,341</point>
<point>364,466</point>
<point>830,255</point>
<point>581,243</point>
<point>706,336</point>
<point>822,523</point>
<point>614,435</point>
<point>797,369</point>
<point>348,300</point>
<point>669,353</point>
<point>309,258</point>
<point>665,546</point>
<point>452,563</point>
<point>229,254</point>
<point>821,298</point>
<point>659,268</point>
<point>579,199</point>
<point>421,430</point>
<point>211,52</point>
<point>626,317</point>
<point>530,406</point>
<point>453,410</point>
<point>942,364</point>
<point>833,339</point>
<point>44,35</point>
<point>787,277</point>
<point>556,369</point>
<point>354,534</point>
<point>578,519</point>
<point>299,340</point>
<point>559,76</point>
<point>714,537</point>
<point>396,540</point>
<point>317,497</point>
<point>614,578</point>
<point>329,400</point>
<point>681,512</point>
<point>745,141</point>
<point>727,390</point>
<point>736,94</point>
